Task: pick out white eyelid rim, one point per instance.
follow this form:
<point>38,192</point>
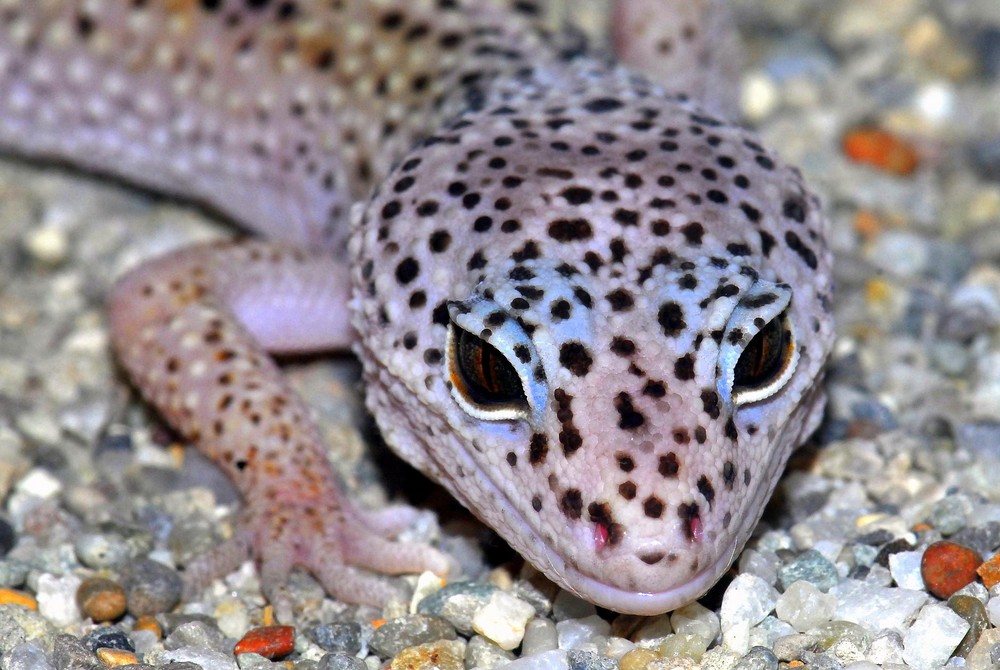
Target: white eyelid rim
<point>747,396</point>
<point>502,414</point>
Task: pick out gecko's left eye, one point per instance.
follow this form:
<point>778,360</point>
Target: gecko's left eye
<point>483,382</point>
<point>766,362</point>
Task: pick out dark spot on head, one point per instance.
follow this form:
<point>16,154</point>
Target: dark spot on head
<point>574,357</point>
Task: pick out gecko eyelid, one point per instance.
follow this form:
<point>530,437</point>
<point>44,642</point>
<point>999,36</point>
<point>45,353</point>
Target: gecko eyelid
<point>766,362</point>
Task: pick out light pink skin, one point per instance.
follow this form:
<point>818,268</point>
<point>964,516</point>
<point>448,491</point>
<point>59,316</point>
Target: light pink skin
<point>283,122</point>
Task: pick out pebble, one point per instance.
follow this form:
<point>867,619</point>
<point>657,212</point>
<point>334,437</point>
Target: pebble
<point>946,567</point>
<point>758,658</point>
<point>810,566</point>
<point>574,633</point>
<point>540,636</point>
<point>28,656</point>
<point>150,587</point>
<point>481,653</point>
<point>268,641</point>
<point>409,631</point>
<point>503,619</point>
<point>746,602</point>
<point>881,150</point>
<point>344,638</point>
<point>340,661</point>
<point>934,635</point>
<point>989,571</point>
<point>581,659</point>
<point>115,658</point>
<point>13,597</point>
<point>804,606</point>
<point>438,655</point>
<point>101,599</point>
<point>974,612</point>
<point>904,566</point>
<point>876,607</point>
<point>57,598</point>
<point>108,638</point>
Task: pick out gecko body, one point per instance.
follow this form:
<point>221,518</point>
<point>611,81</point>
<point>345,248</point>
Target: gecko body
<point>594,312</point>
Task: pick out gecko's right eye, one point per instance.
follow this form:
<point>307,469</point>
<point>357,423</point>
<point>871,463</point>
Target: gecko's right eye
<point>483,381</point>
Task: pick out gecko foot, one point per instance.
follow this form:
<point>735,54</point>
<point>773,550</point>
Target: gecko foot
<point>348,551</point>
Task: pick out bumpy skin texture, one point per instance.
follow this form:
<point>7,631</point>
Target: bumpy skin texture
<point>614,247</point>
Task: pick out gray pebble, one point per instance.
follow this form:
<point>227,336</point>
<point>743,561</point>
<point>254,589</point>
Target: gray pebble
<point>200,635</point>
<point>817,661</point>
<point>69,653</point>
<point>341,662</point>
<point>758,658</point>
<point>150,587</point>
<point>339,637</point>
<point>948,514</point>
<point>481,653</point>
<point>27,656</point>
<point>813,567</point>
<point>580,659</point>
<point>19,625</point>
<point>983,539</point>
<point>13,573</point>
<point>435,602</point>
<point>409,631</point>
<point>101,550</point>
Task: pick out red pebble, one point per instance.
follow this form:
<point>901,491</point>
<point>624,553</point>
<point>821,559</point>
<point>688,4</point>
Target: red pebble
<point>268,641</point>
<point>946,567</point>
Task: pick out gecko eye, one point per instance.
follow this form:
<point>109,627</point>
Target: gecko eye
<point>767,361</point>
<point>483,381</point>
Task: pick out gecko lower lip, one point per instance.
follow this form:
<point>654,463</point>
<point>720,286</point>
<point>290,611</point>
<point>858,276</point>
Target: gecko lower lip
<point>643,602</point>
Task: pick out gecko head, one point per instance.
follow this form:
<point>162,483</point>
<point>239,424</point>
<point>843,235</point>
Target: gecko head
<point>600,326</point>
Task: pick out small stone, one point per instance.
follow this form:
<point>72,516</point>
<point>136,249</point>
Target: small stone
<point>503,619</point>
<point>57,598</point>
<point>540,636</point>
<point>69,652</point>
<point>904,566</point>
<point>876,607</point>
<point>637,659</point>
<point>550,660</point>
<point>149,623</point>
<point>339,661</point>
<point>343,638</point>
<point>150,587</point>
<point>745,604</point>
<point>102,550</point>
<point>974,612</point>
<point>887,647</point>
<point>989,571</point>
<point>28,656</point>
<point>47,244</point>
<point>438,655</point>
<point>409,631</point>
<point>946,567</point>
<point>13,597</point>
<point>804,606</point>
<point>115,658</point>
<point>580,659</point>
<point>812,567</point>
<point>101,599</point>
<point>934,635</point>
<point>268,641</point>
<point>108,638</point>
<point>576,632</point>
<point>696,619</point>
<point>481,653</point>
<point>882,150</point>
<point>758,658</point>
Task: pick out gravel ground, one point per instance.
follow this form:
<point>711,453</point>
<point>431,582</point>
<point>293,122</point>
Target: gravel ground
<point>868,554</point>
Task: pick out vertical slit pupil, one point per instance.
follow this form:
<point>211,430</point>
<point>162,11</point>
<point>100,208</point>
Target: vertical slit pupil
<point>490,380</point>
<point>765,356</point>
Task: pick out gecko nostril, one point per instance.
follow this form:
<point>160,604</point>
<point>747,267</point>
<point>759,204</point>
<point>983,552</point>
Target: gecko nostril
<point>652,558</point>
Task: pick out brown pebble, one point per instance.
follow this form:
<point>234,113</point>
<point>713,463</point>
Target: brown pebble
<point>946,567</point>
<point>101,599</point>
<point>147,622</point>
<point>268,641</point>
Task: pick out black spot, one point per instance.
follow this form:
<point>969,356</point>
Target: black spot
<point>418,299</point>
<point>764,162</point>
<point>561,310</point>
<point>710,402</point>
<point>627,490</point>
<point>521,273</point>
<point>519,304</point>
<point>602,105</point>
<point>767,242</point>
<point>571,504</point>
<point>440,314</point>
<point>706,489</point>
<point>407,270</point>
<point>799,247</point>
<point>538,449</point>
<point>522,352</point>
<point>795,209</point>
<point>482,224</point>
<point>717,196</point>
<point>427,208</point>
<point>751,212</point>
<point>391,209</point>
<point>738,249</point>
<point>668,465</point>
<point>440,241</point>
<point>654,389</point>
<point>622,346</point>
<point>536,503</point>
<point>432,356</point>
<point>629,417</point>
<point>528,252</point>
<point>577,195</point>
<point>728,474</point>
<point>625,462</point>
<point>583,297</point>
<point>671,319</point>
<point>403,184</point>
<point>574,357</point>
<point>661,227</point>
<point>652,507</point>
<point>684,367</point>
<point>693,232</point>
<point>570,230</point>
<point>477,261</point>
<point>511,459</point>
<point>626,217</point>
<point>620,300</point>
<point>496,318</point>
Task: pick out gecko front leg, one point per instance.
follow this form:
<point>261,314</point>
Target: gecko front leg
<point>192,329</point>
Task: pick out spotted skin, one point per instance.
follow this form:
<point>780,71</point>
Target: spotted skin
<point>556,270</point>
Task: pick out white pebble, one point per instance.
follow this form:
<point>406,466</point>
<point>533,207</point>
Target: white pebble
<point>39,483</point>
<point>57,599</point>
<point>539,636</point>
<point>47,244</point>
<point>503,620</point>
<point>933,636</point>
<point>804,606</point>
<point>747,601</point>
<point>904,566</point>
<point>576,632</point>
<point>550,660</point>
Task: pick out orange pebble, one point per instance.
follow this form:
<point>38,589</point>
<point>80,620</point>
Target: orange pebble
<point>989,572</point>
<point>881,150</point>
<point>268,641</point>
<point>946,567</point>
<point>12,597</point>
<point>147,622</point>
